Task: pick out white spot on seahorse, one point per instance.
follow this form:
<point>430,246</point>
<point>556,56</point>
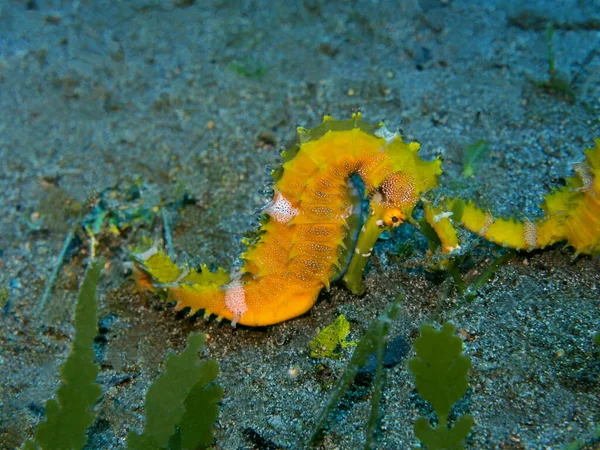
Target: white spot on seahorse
<point>281,209</point>
<point>377,198</point>
<point>489,220</point>
<point>584,170</point>
<point>348,212</point>
<point>386,134</point>
<point>440,216</point>
<point>450,249</point>
<point>146,255</point>
<point>235,300</point>
<point>530,234</point>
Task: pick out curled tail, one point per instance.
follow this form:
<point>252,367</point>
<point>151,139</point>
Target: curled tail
<point>203,289</point>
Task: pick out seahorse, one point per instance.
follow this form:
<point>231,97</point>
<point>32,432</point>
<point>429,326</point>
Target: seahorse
<point>571,214</point>
<point>313,231</point>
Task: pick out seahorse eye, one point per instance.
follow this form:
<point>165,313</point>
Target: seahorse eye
<point>393,217</point>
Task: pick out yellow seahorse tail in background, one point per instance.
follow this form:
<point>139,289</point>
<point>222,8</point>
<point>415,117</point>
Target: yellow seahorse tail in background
<point>313,231</point>
<point>571,214</point>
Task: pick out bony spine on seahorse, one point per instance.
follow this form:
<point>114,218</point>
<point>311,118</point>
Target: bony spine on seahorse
<point>313,231</point>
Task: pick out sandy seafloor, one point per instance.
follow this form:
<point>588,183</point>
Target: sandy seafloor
<point>198,98</point>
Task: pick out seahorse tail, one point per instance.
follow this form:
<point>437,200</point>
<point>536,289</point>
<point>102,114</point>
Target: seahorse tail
<point>572,214</point>
<point>200,289</point>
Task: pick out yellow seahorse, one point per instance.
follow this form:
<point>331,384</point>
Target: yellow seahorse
<point>314,229</point>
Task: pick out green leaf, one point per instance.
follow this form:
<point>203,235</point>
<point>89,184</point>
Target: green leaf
<point>30,445</point>
<point>247,68</point>
<point>179,402</point>
<point>440,371</point>
<point>68,418</point>
<point>201,408</point>
<point>440,368</point>
<point>471,291</point>
<point>430,234</point>
<point>472,156</point>
<point>442,437</point>
<point>326,343</point>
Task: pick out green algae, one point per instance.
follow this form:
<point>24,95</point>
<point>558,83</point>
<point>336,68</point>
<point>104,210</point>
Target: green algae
<point>182,404</point>
<point>440,371</point>
<point>374,341</point>
<point>331,338</point>
<point>68,417</point>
